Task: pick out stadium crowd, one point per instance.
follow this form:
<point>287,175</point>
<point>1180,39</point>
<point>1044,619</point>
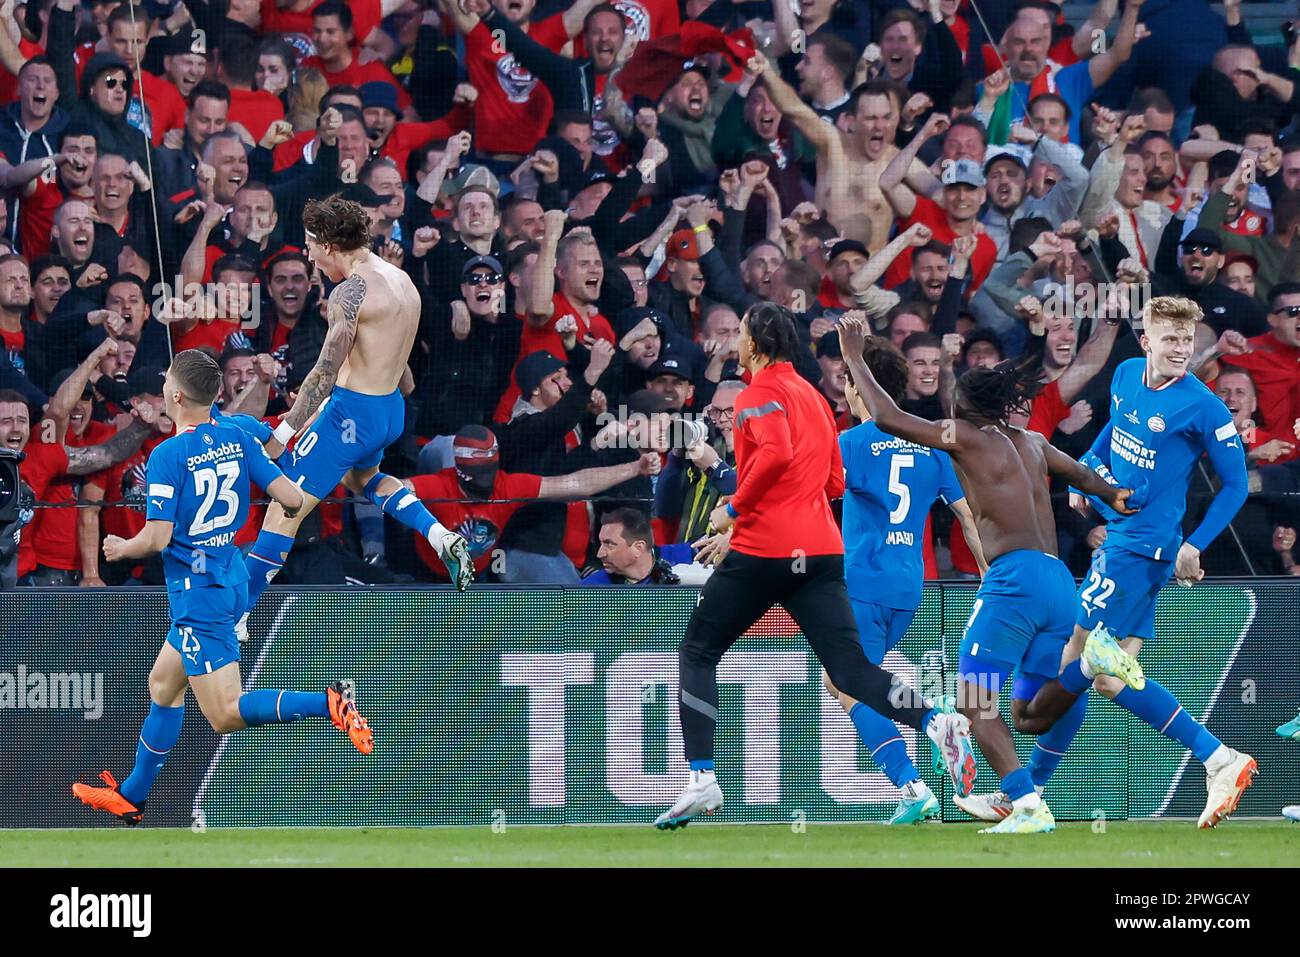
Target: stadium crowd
<point>588,197</point>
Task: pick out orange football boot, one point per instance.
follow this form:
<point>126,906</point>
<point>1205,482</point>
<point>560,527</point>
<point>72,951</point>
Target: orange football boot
<point>108,799</point>
<point>344,715</point>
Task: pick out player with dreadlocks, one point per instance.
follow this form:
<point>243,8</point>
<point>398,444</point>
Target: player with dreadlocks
<point>1024,611</point>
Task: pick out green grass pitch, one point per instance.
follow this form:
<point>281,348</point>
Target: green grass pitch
<point>1239,843</point>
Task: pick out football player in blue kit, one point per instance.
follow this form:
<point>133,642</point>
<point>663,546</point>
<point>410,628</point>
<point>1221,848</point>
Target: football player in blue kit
<point>890,484</point>
<point>1023,611</point>
<point>351,404</point>
<point>198,498</point>
<point>1162,421</point>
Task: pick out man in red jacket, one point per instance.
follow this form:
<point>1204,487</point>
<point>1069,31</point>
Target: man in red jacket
<point>785,548</point>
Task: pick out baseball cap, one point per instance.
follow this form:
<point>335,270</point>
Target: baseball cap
<point>1012,153</point>
<point>963,172</point>
<point>847,246</point>
<point>379,93</point>
<point>146,380</point>
<point>479,262</point>
<point>1203,237</point>
<point>669,365</point>
<point>683,245</point>
<point>533,368</point>
<point>649,403</point>
<point>363,194</point>
<point>596,175</point>
<point>471,177</point>
<point>828,346</point>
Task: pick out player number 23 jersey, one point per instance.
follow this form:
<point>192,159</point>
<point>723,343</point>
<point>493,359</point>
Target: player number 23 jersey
<point>199,481</point>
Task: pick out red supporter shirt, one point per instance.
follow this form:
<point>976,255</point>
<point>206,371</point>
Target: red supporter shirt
<point>357,73</point>
<point>513,109</point>
<point>36,217</point>
<point>166,105</point>
<point>407,136</point>
<point>286,154</point>
<point>255,110</point>
<point>53,534</point>
<point>1275,367</point>
<point>212,333</point>
<point>545,337</point>
<point>366,15</point>
<point>44,465</point>
<point>788,468</point>
<point>481,523</point>
<point>931,214</point>
<point>126,479</point>
<point>1048,412</point>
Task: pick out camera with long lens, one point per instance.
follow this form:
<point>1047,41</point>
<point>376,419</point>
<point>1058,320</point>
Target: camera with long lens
<point>9,487</point>
<point>687,432</point>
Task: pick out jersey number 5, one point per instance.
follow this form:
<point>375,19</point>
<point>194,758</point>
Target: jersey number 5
<point>896,487</point>
<point>215,485</point>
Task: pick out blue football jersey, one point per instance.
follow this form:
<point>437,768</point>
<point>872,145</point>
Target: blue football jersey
<point>889,486</point>
<point>199,481</point>
<point>1152,443</point>
<point>254,427</point>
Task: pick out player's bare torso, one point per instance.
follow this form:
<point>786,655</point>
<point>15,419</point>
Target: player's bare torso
<point>386,326</point>
<point>1000,474</point>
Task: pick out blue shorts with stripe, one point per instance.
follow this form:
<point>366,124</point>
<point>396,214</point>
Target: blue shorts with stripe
<point>351,432</point>
<point>1120,592</point>
<point>1022,619</point>
<point>880,627</point>
<point>203,624</point>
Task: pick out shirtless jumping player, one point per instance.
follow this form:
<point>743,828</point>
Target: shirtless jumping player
<point>848,164</point>
<point>1024,610</point>
<point>355,387</point>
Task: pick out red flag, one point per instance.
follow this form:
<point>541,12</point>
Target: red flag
<point>656,64</point>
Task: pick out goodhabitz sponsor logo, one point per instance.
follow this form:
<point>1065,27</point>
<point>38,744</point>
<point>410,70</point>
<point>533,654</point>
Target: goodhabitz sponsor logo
<point>23,690</point>
<point>76,910</point>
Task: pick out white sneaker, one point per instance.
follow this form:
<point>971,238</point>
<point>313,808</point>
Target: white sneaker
<point>1292,812</point>
<point>1225,788</point>
<point>241,629</point>
<point>988,807</point>
<point>985,807</point>
<point>951,733</point>
<point>702,796</point>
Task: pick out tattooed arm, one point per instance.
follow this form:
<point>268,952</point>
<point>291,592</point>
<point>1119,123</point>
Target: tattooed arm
<point>86,459</point>
<point>344,307</point>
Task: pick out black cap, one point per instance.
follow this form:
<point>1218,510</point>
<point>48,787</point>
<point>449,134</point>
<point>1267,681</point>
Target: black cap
<point>828,346</point>
<point>1203,237</point>
<point>1005,154</point>
<point>533,368</point>
<point>363,194</point>
<point>631,317</point>
<point>669,365</point>
<point>649,403</point>
<point>847,246</point>
<point>146,380</point>
<point>597,174</point>
<point>481,262</point>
